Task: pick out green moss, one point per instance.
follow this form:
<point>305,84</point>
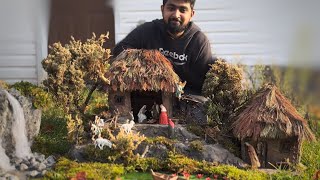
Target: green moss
<point>285,175</point>
<point>310,158</point>
<point>232,172</point>
<point>196,129</point>
<point>177,163</point>
<point>161,140</point>
<point>196,145</point>
<point>145,164</point>
<point>66,169</point>
<point>39,97</point>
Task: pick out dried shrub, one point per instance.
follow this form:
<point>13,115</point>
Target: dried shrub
<point>125,145</point>
<point>4,85</point>
<point>72,70</point>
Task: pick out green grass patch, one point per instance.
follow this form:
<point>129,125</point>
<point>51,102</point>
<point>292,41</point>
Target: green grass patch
<point>52,138</point>
<point>137,176</point>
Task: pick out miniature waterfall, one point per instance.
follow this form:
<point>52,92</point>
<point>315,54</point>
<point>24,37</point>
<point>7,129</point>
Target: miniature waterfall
<point>22,146</point>
<point>4,159</point>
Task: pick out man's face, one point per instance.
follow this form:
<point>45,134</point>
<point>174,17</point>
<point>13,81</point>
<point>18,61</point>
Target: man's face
<point>176,15</point>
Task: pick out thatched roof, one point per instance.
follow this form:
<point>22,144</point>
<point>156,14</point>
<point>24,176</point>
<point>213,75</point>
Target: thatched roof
<point>146,70</point>
<point>270,115</point>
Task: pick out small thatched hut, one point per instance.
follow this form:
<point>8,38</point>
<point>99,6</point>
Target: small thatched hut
<point>141,77</point>
<point>273,127</point>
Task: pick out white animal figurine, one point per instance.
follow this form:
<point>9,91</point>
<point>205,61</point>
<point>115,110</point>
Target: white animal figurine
<point>101,142</point>
<point>128,126</point>
<point>96,131</point>
<point>141,115</point>
<point>98,121</point>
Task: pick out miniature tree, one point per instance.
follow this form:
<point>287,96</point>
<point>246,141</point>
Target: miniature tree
<point>223,85</point>
<point>75,71</point>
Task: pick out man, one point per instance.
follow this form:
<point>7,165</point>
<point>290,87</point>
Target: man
<point>177,38</point>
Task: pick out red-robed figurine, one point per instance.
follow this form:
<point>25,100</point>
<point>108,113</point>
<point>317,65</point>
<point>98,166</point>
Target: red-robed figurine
<point>163,119</point>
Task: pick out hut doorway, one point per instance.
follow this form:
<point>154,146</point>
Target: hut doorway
<point>262,150</point>
<point>140,98</point>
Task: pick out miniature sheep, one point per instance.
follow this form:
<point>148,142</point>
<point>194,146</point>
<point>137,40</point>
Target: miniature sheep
<point>128,126</point>
<point>98,121</point>
<point>96,131</point>
<point>101,142</point>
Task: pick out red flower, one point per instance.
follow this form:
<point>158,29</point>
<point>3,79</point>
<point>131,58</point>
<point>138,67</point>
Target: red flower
<point>81,176</point>
<point>215,176</point>
<point>208,178</point>
<point>186,174</point>
<point>199,176</point>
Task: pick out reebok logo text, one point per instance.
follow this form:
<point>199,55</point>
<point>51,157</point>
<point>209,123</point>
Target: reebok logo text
<point>177,59</point>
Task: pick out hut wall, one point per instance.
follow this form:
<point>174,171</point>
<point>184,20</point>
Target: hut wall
<point>279,150</point>
<point>120,101</point>
<point>167,100</point>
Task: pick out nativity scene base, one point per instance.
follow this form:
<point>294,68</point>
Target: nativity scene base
<point>147,97</point>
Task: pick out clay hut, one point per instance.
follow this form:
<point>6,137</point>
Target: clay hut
<point>273,127</point>
<point>141,77</point>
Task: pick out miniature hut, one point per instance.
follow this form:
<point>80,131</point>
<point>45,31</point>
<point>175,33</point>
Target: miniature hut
<point>141,77</point>
<point>273,127</point>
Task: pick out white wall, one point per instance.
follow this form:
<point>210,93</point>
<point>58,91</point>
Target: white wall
<point>42,34</point>
<point>266,31</point>
<point>23,37</point>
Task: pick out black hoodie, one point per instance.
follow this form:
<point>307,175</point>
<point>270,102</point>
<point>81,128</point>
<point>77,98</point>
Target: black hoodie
<point>190,54</point>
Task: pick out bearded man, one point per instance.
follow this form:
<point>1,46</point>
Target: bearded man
<point>178,39</point>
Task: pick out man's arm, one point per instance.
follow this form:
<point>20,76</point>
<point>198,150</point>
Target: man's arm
<point>132,41</point>
<point>205,59</point>
<point>201,66</point>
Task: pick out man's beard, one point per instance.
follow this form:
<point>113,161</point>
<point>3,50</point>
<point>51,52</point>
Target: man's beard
<point>174,28</point>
